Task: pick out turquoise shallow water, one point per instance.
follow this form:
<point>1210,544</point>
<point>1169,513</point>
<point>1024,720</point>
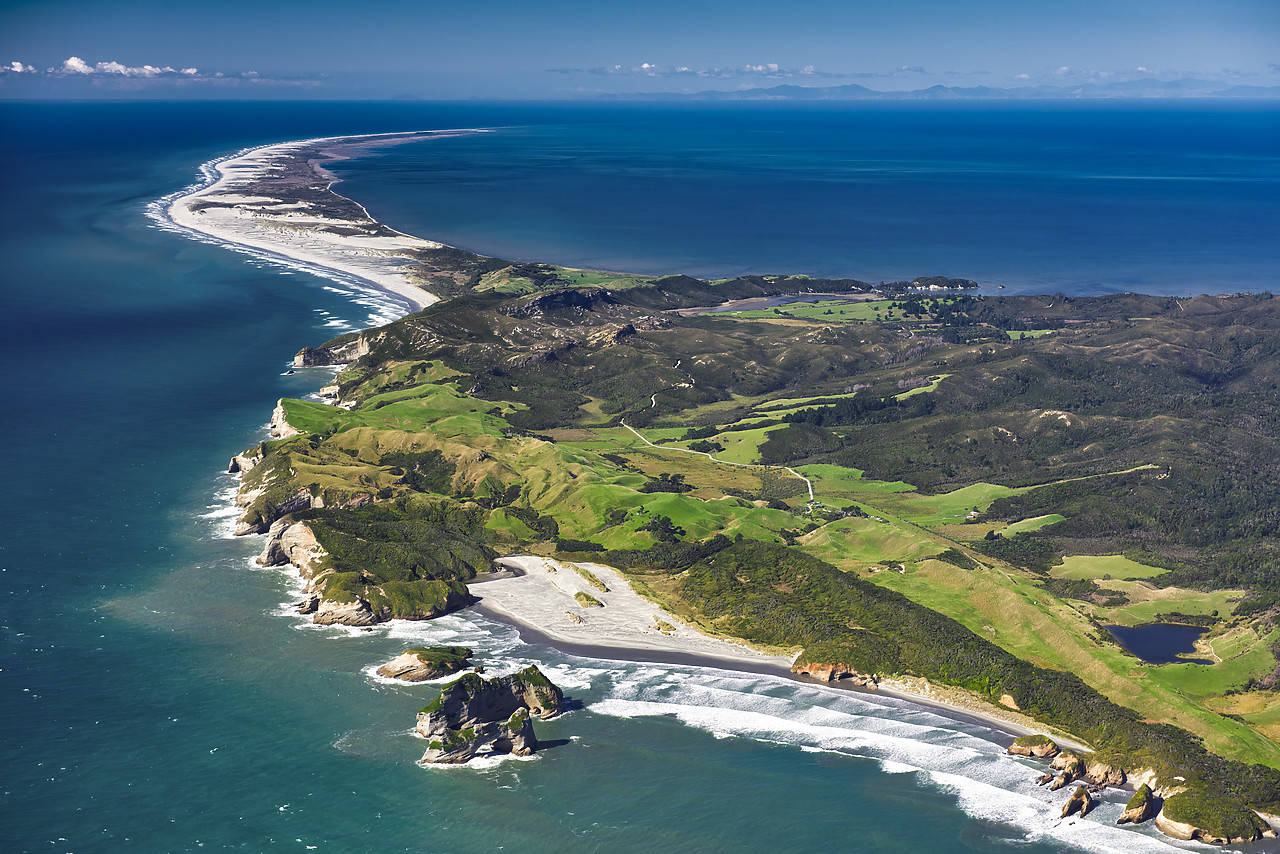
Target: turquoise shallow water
<point>152,696</point>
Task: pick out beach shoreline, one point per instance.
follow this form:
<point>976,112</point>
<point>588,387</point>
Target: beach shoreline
<point>535,596</point>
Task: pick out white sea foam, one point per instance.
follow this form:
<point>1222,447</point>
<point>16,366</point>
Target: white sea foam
<point>986,782</point>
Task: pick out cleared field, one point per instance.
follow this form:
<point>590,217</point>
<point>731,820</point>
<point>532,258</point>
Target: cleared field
<point>1147,602</point>
<point>948,508</point>
<point>932,386</point>
<point>829,480</point>
<point>826,310</point>
<point>743,446</point>
<point>854,544</point>
<point>1029,333</point>
<point>788,402</point>
<point>1099,566</point>
<point>1035,523</point>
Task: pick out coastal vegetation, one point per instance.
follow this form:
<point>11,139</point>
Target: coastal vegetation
<point>931,484</point>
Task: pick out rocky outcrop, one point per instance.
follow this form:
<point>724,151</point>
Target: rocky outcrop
<point>258,517</point>
<point>290,542</point>
<point>337,352</point>
<point>1141,807</point>
<point>327,612</point>
<point>1080,801</point>
<point>280,426</point>
<point>1101,774</point>
<point>419,665</point>
<point>474,715</point>
<point>1037,746</point>
<point>1217,820</point>
<point>242,463</point>
<point>828,672</point>
<point>1069,767</point>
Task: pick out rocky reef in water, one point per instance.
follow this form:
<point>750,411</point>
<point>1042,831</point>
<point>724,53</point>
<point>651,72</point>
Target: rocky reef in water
<point>474,715</point>
<point>1178,812</point>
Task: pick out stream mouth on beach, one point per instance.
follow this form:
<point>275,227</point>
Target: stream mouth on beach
<point>1160,643</point>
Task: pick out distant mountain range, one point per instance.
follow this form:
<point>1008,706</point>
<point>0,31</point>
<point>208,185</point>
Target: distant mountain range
<point>1144,88</point>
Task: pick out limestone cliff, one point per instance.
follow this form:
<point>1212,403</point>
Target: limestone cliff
<point>280,426</point>
<point>474,715</point>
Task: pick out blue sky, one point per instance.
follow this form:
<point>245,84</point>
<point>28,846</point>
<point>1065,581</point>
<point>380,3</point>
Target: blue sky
<point>573,48</point>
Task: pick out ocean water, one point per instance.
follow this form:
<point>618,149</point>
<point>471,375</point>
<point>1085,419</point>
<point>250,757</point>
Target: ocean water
<point>153,694</point>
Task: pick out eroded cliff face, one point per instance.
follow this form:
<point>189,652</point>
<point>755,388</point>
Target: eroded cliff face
<point>476,715</point>
<point>830,672</point>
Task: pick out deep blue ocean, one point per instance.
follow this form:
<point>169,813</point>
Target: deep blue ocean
<point>153,696</point>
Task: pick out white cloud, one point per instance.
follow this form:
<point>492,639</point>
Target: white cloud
<point>76,65</point>
<point>770,70</point>
<point>1022,77</point>
<point>112,74</point>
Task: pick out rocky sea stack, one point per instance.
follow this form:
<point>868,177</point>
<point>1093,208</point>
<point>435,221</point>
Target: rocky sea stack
<point>1039,746</point>
<point>1210,818</point>
<point>1143,805</point>
<point>476,715</point>
<point>427,662</point>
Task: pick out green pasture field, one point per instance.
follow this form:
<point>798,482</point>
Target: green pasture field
<point>1097,566</point>
<point>838,481</point>
<point>924,389</point>
<point>947,508</point>
<point>1035,523</point>
<point>840,311</point>
<point>1148,601</point>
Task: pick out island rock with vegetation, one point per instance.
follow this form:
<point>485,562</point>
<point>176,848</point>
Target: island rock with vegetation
<point>427,662</point>
<point>474,715</point>
<point>890,481</point>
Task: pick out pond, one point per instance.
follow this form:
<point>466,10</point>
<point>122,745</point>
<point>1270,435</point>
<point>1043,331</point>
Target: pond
<point>1160,643</point>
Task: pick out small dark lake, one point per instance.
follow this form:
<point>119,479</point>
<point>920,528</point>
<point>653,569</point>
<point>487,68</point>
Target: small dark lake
<point>1160,643</point>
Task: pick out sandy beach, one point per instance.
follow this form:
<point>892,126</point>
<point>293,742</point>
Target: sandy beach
<point>538,598</point>
<point>277,199</point>
<point>542,598</point>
